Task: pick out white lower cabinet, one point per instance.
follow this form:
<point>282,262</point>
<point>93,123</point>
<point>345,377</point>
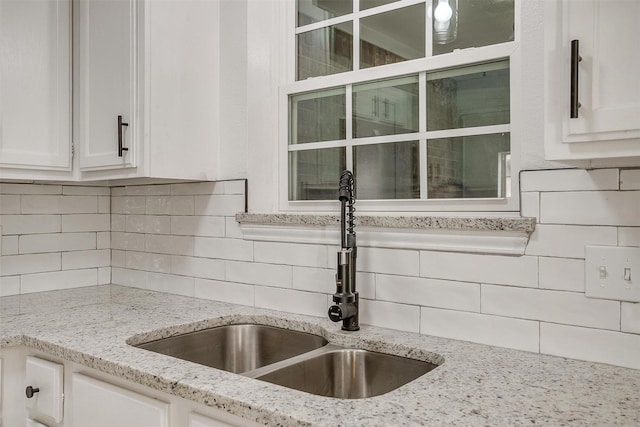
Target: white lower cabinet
<point>197,420</point>
<point>44,389</point>
<point>99,404</point>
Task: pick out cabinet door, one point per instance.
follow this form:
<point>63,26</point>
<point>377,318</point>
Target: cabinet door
<point>98,404</point>
<point>35,84</point>
<point>196,420</point>
<point>107,83</point>
<point>609,83</point>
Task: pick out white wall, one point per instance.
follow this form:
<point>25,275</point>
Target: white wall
<point>53,237</point>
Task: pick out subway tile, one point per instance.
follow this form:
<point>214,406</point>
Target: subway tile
<point>234,187</point>
<point>147,190</point>
<point>179,285</point>
<point>10,245</point>
<point>56,242</point>
<point>569,308</point>
<point>104,204</point>
<point>169,205</point>
<point>219,205</point>
<point>591,208</point>
<point>561,274</point>
<point>9,204</point>
<point>126,277</point>
<point>131,205</point>
<point>9,285</point>
<point>235,293</point>
<point>231,249</point>
<point>480,328</point>
<point>118,258</point>
<point>389,261</point>
<point>630,179</point>
<point>118,191</point>
<point>365,285</point>
<point>118,222</point>
<point>174,245</point>
<point>259,274</point>
<point>595,345</point>
<point>314,279</point>
<point>104,275</point>
<point>86,222</point>
<point>205,268</point>
<point>30,224</point>
<point>291,301</point>
<point>152,224</point>
<point>86,259</point>
<point>194,188</point>
<point>204,226</point>
<point>291,254</point>
<point>59,204</point>
<point>629,236</point>
<point>569,180</point>
<point>232,228</point>
<point>630,318</point>
<point>530,205</point>
<point>495,269</point>
<point>389,315</point>
<point>463,296</point>
<point>103,240</point>
<point>568,241</point>
<point>54,280</point>
<point>148,262</point>
<point>81,190</point>
<point>127,241</point>
<point>11,188</point>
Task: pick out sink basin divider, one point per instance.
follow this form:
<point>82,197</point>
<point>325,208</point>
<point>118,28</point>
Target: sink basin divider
<point>264,370</point>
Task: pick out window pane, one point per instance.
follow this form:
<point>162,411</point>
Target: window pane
<point>469,96</point>
<point>368,4</point>
<point>387,171</point>
<point>325,51</point>
<point>318,116</point>
<point>468,167</point>
<point>394,36</point>
<point>460,24</point>
<point>314,174</point>
<point>387,107</point>
<point>310,11</point>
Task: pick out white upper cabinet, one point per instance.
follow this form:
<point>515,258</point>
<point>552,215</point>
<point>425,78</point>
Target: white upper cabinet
<point>35,84</point>
<point>106,78</point>
<point>600,79</point>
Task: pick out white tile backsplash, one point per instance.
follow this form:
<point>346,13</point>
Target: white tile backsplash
<point>183,238</point>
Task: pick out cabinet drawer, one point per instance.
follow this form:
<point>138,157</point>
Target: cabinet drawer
<point>45,379</point>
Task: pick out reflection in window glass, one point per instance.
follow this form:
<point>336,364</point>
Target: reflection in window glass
<point>325,51</point>
<point>387,171</point>
<point>317,116</point>
<point>466,97</point>
<point>314,174</point>
<point>368,4</point>
<point>461,24</point>
<point>468,167</point>
<point>310,11</point>
<point>394,36</point>
<point>387,107</point>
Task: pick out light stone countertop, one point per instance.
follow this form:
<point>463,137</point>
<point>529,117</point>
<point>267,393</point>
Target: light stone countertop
<point>476,384</point>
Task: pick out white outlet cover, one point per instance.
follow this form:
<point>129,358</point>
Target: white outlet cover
<point>612,261</point>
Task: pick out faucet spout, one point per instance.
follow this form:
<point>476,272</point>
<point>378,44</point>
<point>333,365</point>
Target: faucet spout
<point>345,298</point>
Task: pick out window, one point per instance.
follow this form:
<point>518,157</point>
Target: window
<point>414,96</point>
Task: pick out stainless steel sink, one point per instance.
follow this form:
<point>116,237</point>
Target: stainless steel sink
<point>237,348</point>
<point>346,373</point>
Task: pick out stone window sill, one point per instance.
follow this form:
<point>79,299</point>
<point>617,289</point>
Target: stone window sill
<point>490,235</point>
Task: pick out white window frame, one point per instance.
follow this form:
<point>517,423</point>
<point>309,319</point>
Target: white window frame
<point>509,50</point>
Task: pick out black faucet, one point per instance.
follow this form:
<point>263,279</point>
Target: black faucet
<point>346,297</point>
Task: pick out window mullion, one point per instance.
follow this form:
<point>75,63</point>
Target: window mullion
<point>422,126</point>
<point>349,126</point>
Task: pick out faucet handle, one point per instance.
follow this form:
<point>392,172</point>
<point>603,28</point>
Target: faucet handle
<point>335,313</point>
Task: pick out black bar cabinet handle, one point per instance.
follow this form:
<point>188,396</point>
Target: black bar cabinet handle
<point>120,147</point>
<point>575,59</point>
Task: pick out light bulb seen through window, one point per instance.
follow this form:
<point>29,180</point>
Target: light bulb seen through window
<point>445,21</point>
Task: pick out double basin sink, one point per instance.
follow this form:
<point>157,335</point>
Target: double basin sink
<point>293,359</point>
